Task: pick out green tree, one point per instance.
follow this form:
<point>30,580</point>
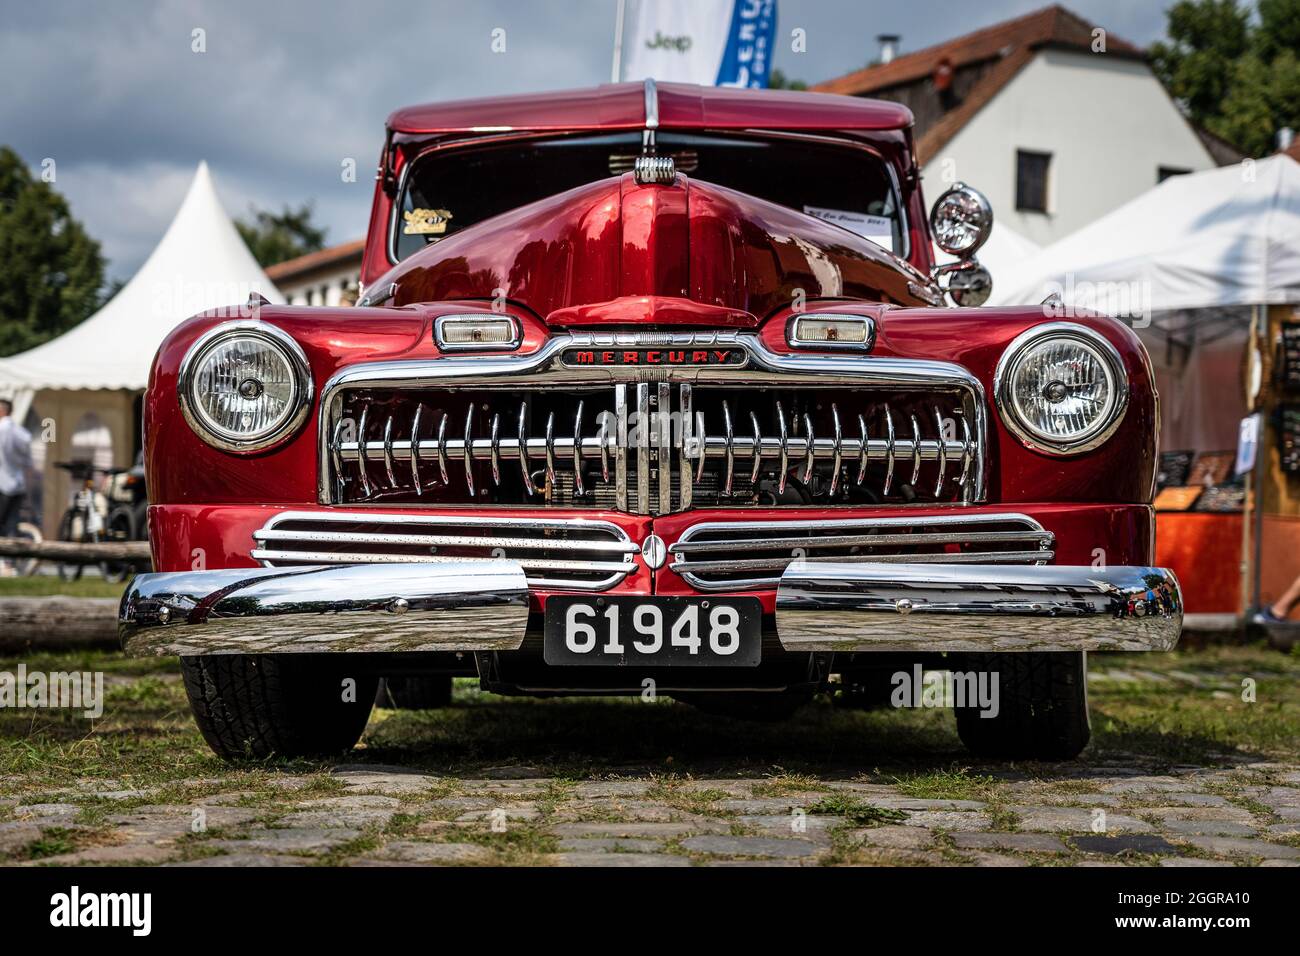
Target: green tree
<point>275,237</point>
<point>779,81</point>
<point>51,271</point>
<point>1235,77</point>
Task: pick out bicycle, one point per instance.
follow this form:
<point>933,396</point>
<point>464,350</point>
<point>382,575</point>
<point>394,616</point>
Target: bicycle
<point>84,520</point>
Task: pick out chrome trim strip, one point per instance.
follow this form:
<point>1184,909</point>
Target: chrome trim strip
<point>943,452</point>
<point>415,459</point>
<point>523,450</point>
<point>458,606</point>
<point>643,429</point>
<point>620,450</point>
<point>361,437</point>
<point>751,538</point>
<point>949,608</point>
<point>685,467</point>
<point>664,448</point>
<point>578,488</point>
<point>429,531</point>
<point>388,451</point>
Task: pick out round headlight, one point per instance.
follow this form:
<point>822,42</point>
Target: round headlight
<point>245,386</point>
<point>1061,388</point>
<point>961,220</point>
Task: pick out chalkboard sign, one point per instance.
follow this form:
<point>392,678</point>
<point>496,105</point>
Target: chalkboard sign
<point>1288,438</point>
<point>1290,358</point>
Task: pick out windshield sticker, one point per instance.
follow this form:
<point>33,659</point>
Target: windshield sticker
<point>879,229</point>
<point>425,222</point>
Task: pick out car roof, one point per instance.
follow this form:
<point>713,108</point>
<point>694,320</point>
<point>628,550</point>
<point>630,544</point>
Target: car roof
<point>619,106</point>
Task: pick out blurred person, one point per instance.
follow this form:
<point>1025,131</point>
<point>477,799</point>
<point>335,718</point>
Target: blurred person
<point>1280,610</point>
<point>15,458</point>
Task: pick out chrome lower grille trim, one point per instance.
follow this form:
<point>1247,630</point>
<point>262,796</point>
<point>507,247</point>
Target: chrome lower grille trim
<point>561,554</point>
<point>976,539</point>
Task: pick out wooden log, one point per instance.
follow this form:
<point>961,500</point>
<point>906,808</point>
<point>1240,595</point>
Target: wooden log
<point>74,552</point>
<point>57,623</point>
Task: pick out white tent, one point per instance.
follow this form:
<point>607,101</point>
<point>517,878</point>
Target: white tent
<point>201,262</point>
<point>1002,254</point>
<point>82,388</point>
<point>1222,237</point>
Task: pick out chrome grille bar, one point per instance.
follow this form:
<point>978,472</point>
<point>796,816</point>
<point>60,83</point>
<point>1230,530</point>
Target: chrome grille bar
<point>807,445</point>
<point>565,554</point>
<point>703,553</point>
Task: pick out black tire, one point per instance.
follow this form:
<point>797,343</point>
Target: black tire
<point>285,705</point>
<point>1042,706</point>
<point>415,692</point>
<point>68,572</point>
<point>760,706</point>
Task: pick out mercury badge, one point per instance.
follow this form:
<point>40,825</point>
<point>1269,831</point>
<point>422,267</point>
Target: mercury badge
<point>426,222</point>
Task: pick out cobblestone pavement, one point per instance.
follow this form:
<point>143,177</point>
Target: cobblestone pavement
<point>383,815</point>
<point>622,784</point>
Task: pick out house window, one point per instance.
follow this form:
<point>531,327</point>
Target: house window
<point>1165,172</point>
<point>1031,180</point>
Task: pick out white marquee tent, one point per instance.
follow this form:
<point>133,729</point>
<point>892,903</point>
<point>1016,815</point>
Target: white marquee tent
<point>85,382</point>
<point>1185,263</point>
<point>1223,237</point>
<point>1003,254</point>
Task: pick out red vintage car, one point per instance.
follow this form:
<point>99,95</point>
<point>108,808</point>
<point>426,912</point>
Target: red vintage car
<point>651,390</point>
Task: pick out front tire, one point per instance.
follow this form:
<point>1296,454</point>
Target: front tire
<point>1042,711</point>
<point>286,705</point>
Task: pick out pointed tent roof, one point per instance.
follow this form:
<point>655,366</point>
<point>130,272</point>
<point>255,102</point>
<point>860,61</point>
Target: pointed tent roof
<point>200,263</point>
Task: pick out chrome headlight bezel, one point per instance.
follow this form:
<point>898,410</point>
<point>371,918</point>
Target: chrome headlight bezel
<point>977,214</point>
<point>214,435</point>
<point>1100,431</point>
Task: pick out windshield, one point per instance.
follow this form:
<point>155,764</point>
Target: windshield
<point>446,192</point>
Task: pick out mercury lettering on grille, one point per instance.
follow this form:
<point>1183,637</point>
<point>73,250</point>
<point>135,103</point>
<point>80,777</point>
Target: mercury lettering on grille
<point>640,356</point>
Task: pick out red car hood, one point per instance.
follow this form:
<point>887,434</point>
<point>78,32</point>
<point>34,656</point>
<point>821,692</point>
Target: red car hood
<point>689,253</point>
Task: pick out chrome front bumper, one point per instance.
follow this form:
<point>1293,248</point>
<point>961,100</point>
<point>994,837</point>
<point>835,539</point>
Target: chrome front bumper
<point>826,606</point>
<point>457,606</point>
<point>483,606</point>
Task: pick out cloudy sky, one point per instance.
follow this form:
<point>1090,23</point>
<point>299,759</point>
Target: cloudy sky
<point>288,89</point>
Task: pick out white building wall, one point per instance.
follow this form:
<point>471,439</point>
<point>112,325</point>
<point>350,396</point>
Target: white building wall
<point>1107,122</point>
<point>324,287</point>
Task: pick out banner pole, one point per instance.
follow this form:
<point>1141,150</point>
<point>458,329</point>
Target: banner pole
<point>616,71</point>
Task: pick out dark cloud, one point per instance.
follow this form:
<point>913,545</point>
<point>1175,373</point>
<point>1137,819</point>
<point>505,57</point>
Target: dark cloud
<point>287,90</point>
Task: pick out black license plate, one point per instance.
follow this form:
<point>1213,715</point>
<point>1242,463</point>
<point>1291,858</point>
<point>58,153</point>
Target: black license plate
<point>653,631</point>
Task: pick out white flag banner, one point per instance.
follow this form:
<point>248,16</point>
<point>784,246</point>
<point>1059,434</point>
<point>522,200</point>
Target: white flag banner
<point>711,42</point>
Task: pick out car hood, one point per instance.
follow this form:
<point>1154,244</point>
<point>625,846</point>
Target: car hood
<point>692,242</point>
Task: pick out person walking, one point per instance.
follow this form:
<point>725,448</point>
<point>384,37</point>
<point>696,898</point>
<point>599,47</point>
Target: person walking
<point>15,458</point>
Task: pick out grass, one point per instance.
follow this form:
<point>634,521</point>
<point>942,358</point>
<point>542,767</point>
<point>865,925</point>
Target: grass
<point>856,811</point>
<point>47,585</point>
<point>146,741</point>
<point>955,783</point>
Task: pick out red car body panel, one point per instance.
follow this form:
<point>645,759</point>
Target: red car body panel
<point>623,256</point>
<point>1121,471</point>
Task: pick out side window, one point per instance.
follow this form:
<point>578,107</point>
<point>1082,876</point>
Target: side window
<point>1032,170</point>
